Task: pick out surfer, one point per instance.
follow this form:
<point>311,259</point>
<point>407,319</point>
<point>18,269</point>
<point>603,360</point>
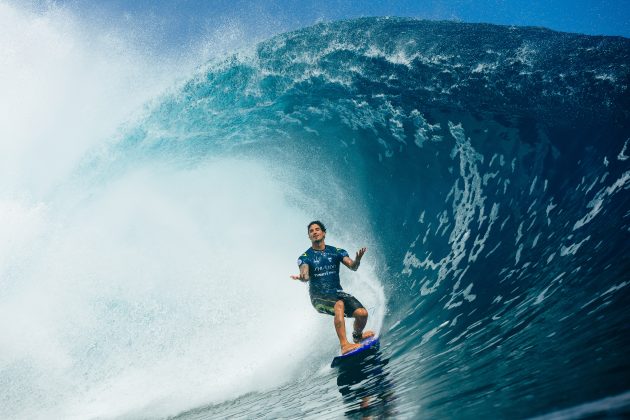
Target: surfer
<point>319,265</point>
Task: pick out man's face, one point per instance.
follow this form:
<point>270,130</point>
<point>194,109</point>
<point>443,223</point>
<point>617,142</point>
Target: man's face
<point>315,233</point>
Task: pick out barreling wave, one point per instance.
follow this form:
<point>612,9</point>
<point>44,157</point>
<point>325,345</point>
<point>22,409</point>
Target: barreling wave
<point>486,168</point>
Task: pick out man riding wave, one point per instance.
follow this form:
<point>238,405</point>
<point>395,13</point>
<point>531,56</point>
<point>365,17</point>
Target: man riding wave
<point>319,265</point>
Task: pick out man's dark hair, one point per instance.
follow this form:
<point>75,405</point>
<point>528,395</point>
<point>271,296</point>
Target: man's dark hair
<point>316,222</point>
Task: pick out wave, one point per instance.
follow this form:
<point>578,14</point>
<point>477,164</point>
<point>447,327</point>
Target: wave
<point>483,166</point>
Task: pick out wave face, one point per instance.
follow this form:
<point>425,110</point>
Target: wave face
<point>485,167</point>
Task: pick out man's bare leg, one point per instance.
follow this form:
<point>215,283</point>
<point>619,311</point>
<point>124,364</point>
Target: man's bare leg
<point>340,327</point>
<point>360,319</point>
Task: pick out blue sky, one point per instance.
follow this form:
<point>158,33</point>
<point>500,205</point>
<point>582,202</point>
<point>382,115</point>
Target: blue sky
<point>178,24</point>
<point>598,17</point>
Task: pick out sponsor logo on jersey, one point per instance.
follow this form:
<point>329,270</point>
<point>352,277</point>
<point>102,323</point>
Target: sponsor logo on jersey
<point>325,267</point>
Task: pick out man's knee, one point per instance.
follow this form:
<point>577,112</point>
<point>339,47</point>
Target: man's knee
<point>339,306</point>
<point>360,313</point>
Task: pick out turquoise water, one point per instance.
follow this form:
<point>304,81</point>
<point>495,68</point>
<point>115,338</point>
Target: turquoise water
<point>485,168</point>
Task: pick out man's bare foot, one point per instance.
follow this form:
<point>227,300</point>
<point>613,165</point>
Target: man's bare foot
<point>349,347</point>
<point>364,336</point>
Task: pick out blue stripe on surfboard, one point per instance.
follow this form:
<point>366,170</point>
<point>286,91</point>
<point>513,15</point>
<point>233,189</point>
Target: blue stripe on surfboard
<point>368,344</point>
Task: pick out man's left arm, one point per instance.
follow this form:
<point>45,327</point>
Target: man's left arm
<point>354,265</point>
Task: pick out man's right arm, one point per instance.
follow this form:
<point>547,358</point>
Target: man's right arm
<point>304,273</point>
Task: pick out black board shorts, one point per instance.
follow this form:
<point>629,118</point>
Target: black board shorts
<point>325,304</point>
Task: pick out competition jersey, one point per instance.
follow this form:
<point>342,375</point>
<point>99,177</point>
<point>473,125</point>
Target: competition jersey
<point>323,269</point>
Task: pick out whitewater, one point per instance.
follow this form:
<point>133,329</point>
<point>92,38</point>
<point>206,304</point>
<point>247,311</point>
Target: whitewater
<point>152,210</point>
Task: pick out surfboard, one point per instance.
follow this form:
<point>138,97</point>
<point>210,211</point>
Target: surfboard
<point>369,344</point>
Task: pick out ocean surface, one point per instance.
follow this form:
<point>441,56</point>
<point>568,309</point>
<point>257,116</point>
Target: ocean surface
<point>486,168</point>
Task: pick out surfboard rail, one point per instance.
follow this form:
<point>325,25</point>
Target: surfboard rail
<point>371,343</point>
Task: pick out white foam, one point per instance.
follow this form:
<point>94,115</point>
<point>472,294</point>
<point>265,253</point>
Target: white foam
<point>143,295</point>
<point>484,67</point>
<point>605,407</point>
<point>535,241</point>
<point>517,257</point>
<point>156,290</point>
<point>607,77</point>
<point>459,296</point>
<point>531,188</point>
<point>543,295</point>
<point>479,243</point>
<point>519,233</point>
<point>622,154</point>
<point>597,203</point>
<point>548,210</point>
<point>65,87</point>
<point>468,201</point>
<point>573,248</point>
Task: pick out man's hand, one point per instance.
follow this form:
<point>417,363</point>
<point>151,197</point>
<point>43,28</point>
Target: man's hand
<point>298,277</point>
<point>304,275</point>
<point>354,265</point>
<point>359,255</point>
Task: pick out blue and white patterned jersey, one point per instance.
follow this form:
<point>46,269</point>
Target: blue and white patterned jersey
<point>323,269</point>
